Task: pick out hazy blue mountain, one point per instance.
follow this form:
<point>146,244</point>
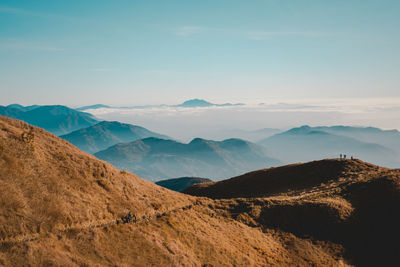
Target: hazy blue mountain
<point>192,103</point>
<point>11,112</point>
<point>92,107</point>
<point>306,143</point>
<point>196,103</point>
<point>56,119</point>
<point>250,135</point>
<point>108,133</point>
<point>388,138</point>
<point>156,159</point>
<point>180,184</point>
<point>21,107</point>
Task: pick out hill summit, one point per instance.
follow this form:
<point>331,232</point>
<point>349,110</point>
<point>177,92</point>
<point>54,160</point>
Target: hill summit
<point>350,203</point>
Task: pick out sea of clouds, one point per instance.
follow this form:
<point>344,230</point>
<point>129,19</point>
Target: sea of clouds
<point>221,122</point>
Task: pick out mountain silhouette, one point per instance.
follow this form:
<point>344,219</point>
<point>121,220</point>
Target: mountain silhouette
<point>307,143</point>
<point>56,119</point>
<point>196,103</point>
<point>107,133</point>
<point>21,107</point>
<point>97,106</point>
<point>387,138</point>
<point>193,103</point>
<point>155,158</point>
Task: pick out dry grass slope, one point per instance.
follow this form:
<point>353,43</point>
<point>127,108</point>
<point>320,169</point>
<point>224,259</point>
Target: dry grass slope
<point>60,206</point>
<point>349,203</point>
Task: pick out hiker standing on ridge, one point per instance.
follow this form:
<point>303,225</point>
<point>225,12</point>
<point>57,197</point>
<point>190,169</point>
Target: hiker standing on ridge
<point>340,156</point>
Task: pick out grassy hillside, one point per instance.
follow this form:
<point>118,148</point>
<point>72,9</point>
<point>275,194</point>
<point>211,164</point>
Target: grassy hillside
<point>347,202</point>
<point>61,206</point>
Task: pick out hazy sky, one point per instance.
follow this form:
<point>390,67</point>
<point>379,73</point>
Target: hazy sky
<point>150,52</point>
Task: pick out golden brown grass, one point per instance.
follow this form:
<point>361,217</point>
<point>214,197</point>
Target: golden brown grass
<point>60,206</point>
<point>351,212</point>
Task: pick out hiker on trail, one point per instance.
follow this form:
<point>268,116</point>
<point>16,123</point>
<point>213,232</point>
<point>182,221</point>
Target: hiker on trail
<point>352,158</point>
<point>344,156</point>
<point>340,156</point>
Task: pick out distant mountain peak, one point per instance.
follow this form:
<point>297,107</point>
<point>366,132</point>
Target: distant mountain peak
<point>108,133</point>
<point>54,118</point>
<point>198,140</point>
<point>301,129</point>
<point>196,103</point>
<point>192,103</point>
<point>21,107</point>
<point>15,106</point>
<point>96,106</point>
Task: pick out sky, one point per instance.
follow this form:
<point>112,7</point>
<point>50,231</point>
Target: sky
<point>164,52</point>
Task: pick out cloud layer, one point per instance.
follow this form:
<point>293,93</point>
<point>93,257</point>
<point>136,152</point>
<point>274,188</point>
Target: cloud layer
<point>208,122</point>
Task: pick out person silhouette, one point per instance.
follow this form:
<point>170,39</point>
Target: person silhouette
<point>340,156</point>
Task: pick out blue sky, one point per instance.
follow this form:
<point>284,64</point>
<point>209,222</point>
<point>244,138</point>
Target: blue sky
<point>152,52</point>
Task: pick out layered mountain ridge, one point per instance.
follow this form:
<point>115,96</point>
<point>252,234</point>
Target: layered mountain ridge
<point>306,143</point>
<point>154,158</point>
<point>106,134</point>
<point>56,119</point>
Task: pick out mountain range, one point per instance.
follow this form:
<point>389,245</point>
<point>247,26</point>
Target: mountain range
<point>191,103</point>
<point>194,103</point>
<point>92,107</point>
<point>154,158</point>
<point>56,119</point>
<point>387,138</point>
<point>107,133</point>
<point>308,143</point>
<point>21,107</point>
